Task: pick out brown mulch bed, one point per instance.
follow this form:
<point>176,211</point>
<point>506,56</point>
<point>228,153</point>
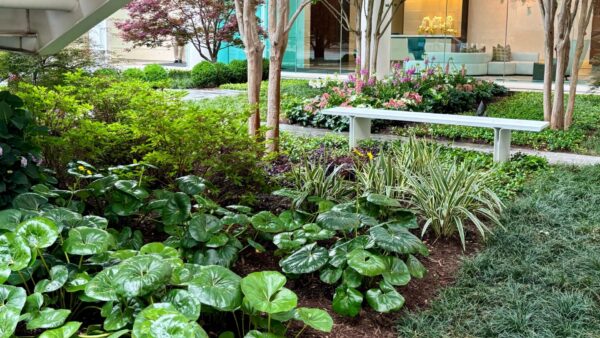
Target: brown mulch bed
<point>442,264</point>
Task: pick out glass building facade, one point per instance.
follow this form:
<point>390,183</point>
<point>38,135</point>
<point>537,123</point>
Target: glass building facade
<point>493,38</point>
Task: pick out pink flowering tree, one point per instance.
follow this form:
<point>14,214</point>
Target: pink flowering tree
<point>210,25</point>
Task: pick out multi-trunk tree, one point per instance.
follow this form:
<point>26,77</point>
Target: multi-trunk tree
<point>559,18</point>
<point>279,25</point>
<point>210,25</point>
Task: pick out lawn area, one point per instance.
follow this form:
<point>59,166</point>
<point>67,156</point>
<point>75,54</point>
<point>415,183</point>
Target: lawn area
<point>539,277</point>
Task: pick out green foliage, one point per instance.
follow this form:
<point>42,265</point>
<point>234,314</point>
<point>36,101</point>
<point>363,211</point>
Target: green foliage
<point>154,73</point>
<point>133,74</point>
<point>536,277</point>
<point>106,120</point>
<point>60,262</point>
<point>238,71</point>
<point>361,255</point>
<point>206,75</point>
<point>20,157</point>
<point>461,191</point>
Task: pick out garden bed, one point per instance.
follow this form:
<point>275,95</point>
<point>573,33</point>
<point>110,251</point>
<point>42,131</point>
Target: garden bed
<point>445,259</point>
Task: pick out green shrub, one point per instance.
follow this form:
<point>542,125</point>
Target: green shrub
<point>103,121</point>
<point>155,73</point>
<point>238,71</point>
<point>107,72</point>
<point>223,73</point>
<point>20,157</point>
<point>133,74</point>
<point>205,75</point>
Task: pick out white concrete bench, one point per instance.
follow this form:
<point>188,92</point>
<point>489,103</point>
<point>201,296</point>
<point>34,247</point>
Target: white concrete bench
<point>360,124</point>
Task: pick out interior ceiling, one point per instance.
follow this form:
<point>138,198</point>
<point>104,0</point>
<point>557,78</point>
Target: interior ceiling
<point>47,26</point>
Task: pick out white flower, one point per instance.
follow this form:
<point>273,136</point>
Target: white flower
<point>23,162</point>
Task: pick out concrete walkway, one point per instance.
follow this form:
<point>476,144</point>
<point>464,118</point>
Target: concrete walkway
<point>201,94</point>
<point>552,157</point>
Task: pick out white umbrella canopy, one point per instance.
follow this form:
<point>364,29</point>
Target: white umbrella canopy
<point>46,26</point>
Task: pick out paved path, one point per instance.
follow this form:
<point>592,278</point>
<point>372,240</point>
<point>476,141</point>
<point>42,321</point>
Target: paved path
<point>552,157</point>
<point>200,94</point>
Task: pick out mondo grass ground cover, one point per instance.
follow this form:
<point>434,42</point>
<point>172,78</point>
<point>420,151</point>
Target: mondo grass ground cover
<point>583,136</point>
<point>539,277</point>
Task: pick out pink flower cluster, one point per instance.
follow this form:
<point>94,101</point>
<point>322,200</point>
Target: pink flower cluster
<point>395,104</point>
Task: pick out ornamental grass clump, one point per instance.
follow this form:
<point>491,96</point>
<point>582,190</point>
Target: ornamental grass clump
<point>386,173</point>
<point>449,197</point>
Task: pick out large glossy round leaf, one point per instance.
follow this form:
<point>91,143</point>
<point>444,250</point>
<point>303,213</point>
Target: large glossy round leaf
<point>93,221</point>
<point>315,318</point>
<point>29,201</point>
<point>58,277</point>
<point>384,301</point>
<point>15,254</point>
<point>38,232</point>
<point>162,320</point>
<point>338,220</point>
<point>397,272</point>
<point>160,249</point>
<point>77,282</point>
<point>314,232</point>
<point>84,241</point>
<point>403,219</point>
<point>103,286</point>
<point>366,263</point>
<point>330,274</point>
<point>265,221</point>
<point>286,241</point>
<point>9,219</point>
<point>415,267</point>
<point>218,287</point>
<point>48,318</point>
<point>10,319</point>
<point>63,217</point>
<point>141,275</point>
<point>177,209</point>
<point>65,331</point>
<point>307,259</point>
<point>382,200</point>
<point>123,204</point>
<point>132,188</point>
<point>265,291</point>
<point>12,297</point>
<point>198,229</point>
<point>185,273</point>
<point>347,301</point>
<point>184,302</point>
<point>191,185</point>
<point>398,240</point>
<point>351,278</point>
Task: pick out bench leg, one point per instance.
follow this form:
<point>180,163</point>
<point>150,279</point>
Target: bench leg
<point>360,129</point>
<point>501,145</point>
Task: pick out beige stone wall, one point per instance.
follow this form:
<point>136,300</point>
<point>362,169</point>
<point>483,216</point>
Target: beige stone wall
<point>121,50</point>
